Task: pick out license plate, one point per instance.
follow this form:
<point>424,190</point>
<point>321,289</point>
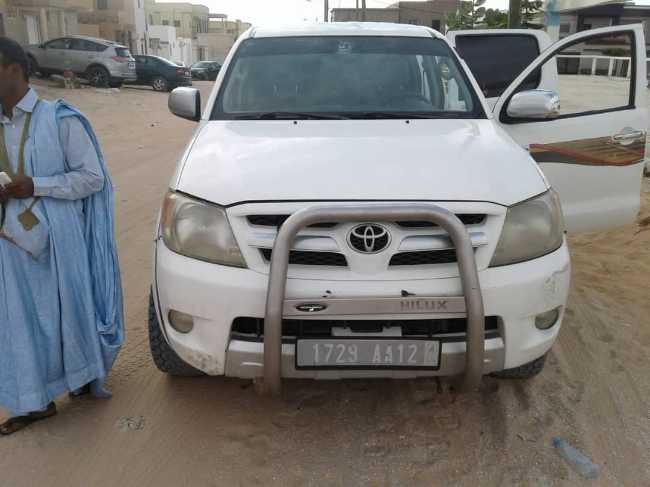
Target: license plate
<point>367,353</point>
<point>131,65</point>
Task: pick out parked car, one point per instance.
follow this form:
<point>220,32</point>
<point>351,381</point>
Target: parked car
<point>206,70</point>
<point>162,74</point>
<point>351,206</point>
<point>103,63</point>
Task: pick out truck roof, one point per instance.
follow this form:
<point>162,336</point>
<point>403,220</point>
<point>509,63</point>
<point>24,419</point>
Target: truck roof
<point>343,29</point>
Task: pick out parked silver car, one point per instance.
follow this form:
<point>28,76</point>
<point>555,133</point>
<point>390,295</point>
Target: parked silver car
<point>101,62</point>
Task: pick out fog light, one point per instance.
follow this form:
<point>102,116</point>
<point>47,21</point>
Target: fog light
<point>181,322</point>
<point>546,320</point>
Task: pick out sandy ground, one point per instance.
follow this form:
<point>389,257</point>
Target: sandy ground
<point>162,431</point>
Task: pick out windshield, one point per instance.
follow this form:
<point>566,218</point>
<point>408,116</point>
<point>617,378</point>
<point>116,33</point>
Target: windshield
<point>202,64</point>
<point>345,77</point>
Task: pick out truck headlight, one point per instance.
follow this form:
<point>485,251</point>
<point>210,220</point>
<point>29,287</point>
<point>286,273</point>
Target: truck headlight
<point>199,230</point>
<point>532,229</point>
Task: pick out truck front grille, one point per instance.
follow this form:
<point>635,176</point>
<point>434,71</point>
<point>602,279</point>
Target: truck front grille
<point>332,249</point>
<point>426,257</point>
<point>252,329</point>
<point>297,257</point>
<point>278,220</point>
<point>466,218</point>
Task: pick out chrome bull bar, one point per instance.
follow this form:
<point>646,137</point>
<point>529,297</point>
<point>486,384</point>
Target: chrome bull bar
<point>271,382</point>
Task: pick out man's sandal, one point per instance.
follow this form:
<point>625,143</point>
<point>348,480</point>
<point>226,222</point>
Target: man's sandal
<point>82,391</point>
<point>17,423</point>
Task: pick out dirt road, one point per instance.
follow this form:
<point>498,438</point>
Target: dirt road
<point>594,392</point>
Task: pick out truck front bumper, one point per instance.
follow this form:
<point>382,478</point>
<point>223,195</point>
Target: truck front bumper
<point>216,295</point>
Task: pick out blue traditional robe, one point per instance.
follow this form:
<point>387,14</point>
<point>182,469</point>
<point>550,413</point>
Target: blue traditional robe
<point>61,319</point>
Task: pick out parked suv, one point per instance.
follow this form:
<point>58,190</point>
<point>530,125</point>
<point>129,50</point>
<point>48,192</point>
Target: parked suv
<point>161,74</point>
<point>103,63</point>
<point>350,205</point>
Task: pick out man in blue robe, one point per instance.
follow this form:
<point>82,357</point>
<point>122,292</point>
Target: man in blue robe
<point>61,320</point>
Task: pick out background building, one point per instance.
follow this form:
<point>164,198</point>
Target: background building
<point>35,21</point>
<point>605,16</point>
<point>187,20</point>
<point>163,42</point>
<point>209,36</point>
<point>122,21</point>
<point>431,13</point>
<point>222,34</point>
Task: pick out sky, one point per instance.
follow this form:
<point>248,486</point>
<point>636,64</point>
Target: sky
<point>289,11</point>
<point>264,12</point>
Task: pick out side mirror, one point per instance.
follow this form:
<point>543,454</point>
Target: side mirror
<point>185,103</point>
<point>537,104</point>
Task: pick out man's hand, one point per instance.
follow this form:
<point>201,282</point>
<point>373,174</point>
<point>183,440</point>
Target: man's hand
<point>20,187</point>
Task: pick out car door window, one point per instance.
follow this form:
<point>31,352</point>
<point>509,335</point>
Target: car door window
<point>58,44</point>
<point>78,45</point>
<point>515,51</point>
<point>84,45</point>
<point>595,75</point>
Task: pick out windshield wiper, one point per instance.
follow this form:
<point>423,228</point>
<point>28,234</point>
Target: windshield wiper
<point>290,116</point>
<point>405,115</point>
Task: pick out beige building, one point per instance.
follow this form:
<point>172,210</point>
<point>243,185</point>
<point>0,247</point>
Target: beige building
<point>211,35</point>
<point>189,20</point>
<point>222,34</point>
<point>122,21</point>
<point>36,21</point>
<point>432,13</point>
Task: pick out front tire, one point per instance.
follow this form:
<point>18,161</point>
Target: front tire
<point>163,355</point>
<point>98,77</point>
<point>525,371</point>
<point>160,84</point>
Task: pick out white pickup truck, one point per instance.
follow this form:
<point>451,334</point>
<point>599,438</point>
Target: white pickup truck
<point>355,202</point>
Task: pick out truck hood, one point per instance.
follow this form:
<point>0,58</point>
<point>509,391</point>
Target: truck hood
<point>472,160</point>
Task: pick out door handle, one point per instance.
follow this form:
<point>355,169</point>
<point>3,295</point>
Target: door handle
<point>628,137</point>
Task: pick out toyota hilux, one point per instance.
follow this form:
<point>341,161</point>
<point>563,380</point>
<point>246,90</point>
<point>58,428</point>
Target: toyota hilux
<point>352,206</point>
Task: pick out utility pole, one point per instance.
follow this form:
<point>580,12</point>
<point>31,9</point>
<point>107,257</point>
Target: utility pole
<point>363,10</point>
<point>356,12</point>
<point>514,14</point>
<point>326,15</point>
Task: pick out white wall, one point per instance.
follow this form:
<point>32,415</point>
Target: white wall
<point>140,37</point>
<point>177,49</point>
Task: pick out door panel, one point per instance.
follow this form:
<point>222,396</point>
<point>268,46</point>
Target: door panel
<point>593,153</point>
<point>54,55</point>
<point>76,56</point>
<point>141,69</point>
<point>82,54</point>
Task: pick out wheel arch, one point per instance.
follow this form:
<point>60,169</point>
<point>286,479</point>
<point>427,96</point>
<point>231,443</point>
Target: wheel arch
<point>97,65</point>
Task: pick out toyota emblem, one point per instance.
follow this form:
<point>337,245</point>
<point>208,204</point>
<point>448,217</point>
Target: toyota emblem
<point>369,238</point>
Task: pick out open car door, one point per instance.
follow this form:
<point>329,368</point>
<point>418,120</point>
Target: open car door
<point>590,145</point>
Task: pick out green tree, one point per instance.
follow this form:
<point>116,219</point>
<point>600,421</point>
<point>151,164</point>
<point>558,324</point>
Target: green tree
<point>495,19</point>
<point>469,15</point>
<point>529,9</point>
